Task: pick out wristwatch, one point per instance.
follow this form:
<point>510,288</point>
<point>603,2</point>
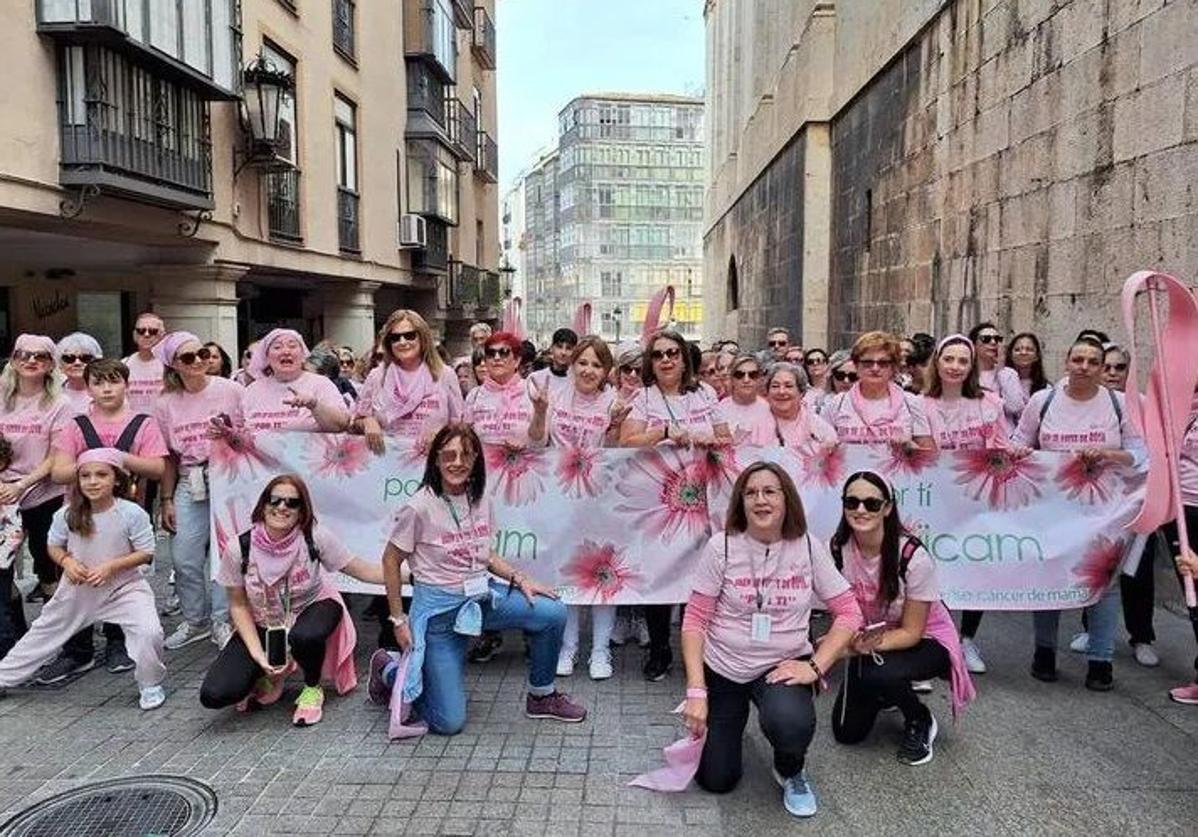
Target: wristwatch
<point>398,621</point>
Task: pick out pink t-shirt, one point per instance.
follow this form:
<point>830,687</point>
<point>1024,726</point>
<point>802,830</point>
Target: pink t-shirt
<point>786,578</point>
<point>806,430</point>
<point>1004,383</point>
<point>698,411</point>
<point>184,417</point>
<point>918,585</point>
<point>78,400</point>
<point>577,419</point>
<point>752,424</point>
<point>263,407</point>
<point>447,538</point>
<point>443,404</point>
<point>306,577</point>
<point>1071,425</point>
<point>32,428</point>
<point>122,529</point>
<point>967,422</point>
<point>145,383</point>
<point>499,415</point>
<point>1188,459</point>
<point>862,428</point>
<point>148,441</point>
<point>556,383</point>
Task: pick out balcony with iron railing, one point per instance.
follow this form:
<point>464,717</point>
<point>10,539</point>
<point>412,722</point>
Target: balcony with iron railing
<point>434,258</point>
<point>490,293</point>
<point>469,285</point>
<point>463,130</point>
<point>347,221</point>
<point>483,40</point>
<point>430,34</point>
<point>427,110</point>
<point>283,205</point>
<point>486,161</point>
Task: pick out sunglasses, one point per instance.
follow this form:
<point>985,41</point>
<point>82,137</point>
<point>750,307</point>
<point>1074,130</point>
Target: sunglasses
<point>776,344</point>
<point>816,361</point>
<point>346,363</point>
<point>188,358</point>
<point>876,363</point>
<point>68,359</point>
<point>665,354</point>
<point>1116,367</point>
<point>148,332</point>
<point>453,457</point>
<point>872,504</point>
<point>497,353</point>
<point>405,336</point>
<point>20,356</point>
<point>751,374</point>
<point>247,354</point>
<point>989,338</point>
<point>293,503</point>
<point>629,370</point>
<point>845,376</point>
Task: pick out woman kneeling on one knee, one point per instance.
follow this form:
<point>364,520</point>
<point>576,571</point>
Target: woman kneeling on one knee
<point>284,607</point>
<point>444,534</point>
<point>909,634</point>
<point>746,634</point>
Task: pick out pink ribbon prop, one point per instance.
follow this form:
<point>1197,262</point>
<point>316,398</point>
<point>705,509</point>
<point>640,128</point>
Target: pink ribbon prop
<point>682,763</point>
<point>1162,412</point>
<point>582,320</point>
<point>401,711</point>
<point>660,299</point>
<point>513,319</point>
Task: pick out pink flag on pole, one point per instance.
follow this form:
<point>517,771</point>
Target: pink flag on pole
<point>582,320</point>
<point>513,319</point>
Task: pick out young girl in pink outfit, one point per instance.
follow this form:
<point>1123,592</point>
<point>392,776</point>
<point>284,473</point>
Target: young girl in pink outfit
<point>99,540</point>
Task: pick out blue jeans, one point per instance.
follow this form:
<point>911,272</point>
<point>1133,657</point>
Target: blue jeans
<point>442,705</point>
<point>1103,616</point>
<point>201,599</point>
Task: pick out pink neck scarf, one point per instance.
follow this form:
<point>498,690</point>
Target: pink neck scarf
<point>890,418</point>
<point>274,558</point>
<point>404,391</point>
<point>510,393</point>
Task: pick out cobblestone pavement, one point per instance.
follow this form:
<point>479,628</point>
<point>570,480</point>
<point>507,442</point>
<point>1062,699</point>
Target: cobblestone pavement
<point>1028,758</point>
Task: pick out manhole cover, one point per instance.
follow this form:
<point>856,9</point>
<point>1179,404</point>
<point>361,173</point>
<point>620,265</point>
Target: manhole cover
<point>136,806</point>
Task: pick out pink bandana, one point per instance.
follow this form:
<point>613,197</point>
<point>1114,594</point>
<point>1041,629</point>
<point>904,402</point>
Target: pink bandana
<point>882,424</point>
<point>511,392</point>
<point>403,391</point>
<point>274,558</point>
<point>259,362</point>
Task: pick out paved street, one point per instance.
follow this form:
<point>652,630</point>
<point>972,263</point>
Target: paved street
<point>1030,758</point>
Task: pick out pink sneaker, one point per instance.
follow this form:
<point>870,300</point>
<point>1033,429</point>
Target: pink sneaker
<point>377,689</point>
<point>556,706</point>
<point>1187,694</point>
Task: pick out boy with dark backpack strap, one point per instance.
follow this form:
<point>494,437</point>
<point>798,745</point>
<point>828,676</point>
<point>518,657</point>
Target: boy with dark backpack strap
<point>109,423</point>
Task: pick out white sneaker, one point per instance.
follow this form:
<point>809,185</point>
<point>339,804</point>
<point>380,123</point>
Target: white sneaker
<point>601,666</point>
<point>185,635</point>
<point>1145,655</point>
<point>973,657</point>
<point>152,697</point>
<point>222,632</point>
<point>1080,643</point>
<point>921,686</point>
<point>565,664</point>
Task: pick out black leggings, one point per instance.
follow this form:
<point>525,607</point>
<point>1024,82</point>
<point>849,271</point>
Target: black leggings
<point>868,688</point>
<point>234,672</point>
<point>786,715</point>
<point>657,620</point>
<point>1139,597</point>
<point>1173,538</point>
<point>12,613</point>
<point>970,621</point>
<point>82,646</point>
<point>36,523</point>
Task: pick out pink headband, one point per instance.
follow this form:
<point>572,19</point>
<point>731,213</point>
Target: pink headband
<point>166,348</point>
<point>34,343</point>
<point>108,456</point>
<point>955,338</point>
<point>259,362</point>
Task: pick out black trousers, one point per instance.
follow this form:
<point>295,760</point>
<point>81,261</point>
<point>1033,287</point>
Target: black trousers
<point>82,646</point>
<point>868,688</point>
<point>1139,597</point>
<point>970,621</point>
<point>234,672</point>
<point>36,523</point>
<point>12,613</point>
<point>1173,538</point>
<point>657,620</point>
<point>786,715</point>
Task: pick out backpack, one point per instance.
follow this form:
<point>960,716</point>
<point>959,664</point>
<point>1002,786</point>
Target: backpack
<point>243,540</point>
<point>124,443</point>
<point>1052,393</point>
<point>910,546</point>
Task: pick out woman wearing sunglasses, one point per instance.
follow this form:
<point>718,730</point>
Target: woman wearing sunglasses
<point>815,366</point>
<point>875,410</point>
<point>1115,361</point>
<point>194,409</point>
<point>1003,381</point>
<point>795,424</point>
<point>33,412</point>
<point>670,407</point>
<point>286,396</point>
<point>444,535</point>
<point>1025,356</point>
<point>746,636</point>
<point>74,352</point>
<point>285,610</point>
<point>500,409</point>
<point>627,375</point>
<point>747,413</point>
<point>908,635</point>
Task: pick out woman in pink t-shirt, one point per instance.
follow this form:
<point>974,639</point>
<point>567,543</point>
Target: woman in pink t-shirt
<point>909,635</point>
<point>795,422</point>
<point>73,353</point>
<point>746,635</point>
<point>284,395</point>
<point>746,411</point>
<point>992,375</point>
<point>33,412</point>
<point>411,394</point>
<point>500,408</point>
<point>815,367</point>
<point>1025,356</point>
<point>584,414</point>
<point>875,410</point>
<point>281,586</point>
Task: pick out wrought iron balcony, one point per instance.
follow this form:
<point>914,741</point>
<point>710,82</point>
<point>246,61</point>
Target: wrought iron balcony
<point>431,35</point>
<point>463,130</point>
<point>469,285</point>
<point>283,205</point>
<point>463,13</point>
<point>486,163</point>
<point>343,27</point>
<point>483,41</point>
<point>435,257</point>
<point>347,221</point>
<point>427,110</point>
<point>490,290</point>
<point>129,132</point>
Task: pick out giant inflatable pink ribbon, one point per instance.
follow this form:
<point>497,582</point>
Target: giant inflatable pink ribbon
<point>582,319</point>
<point>653,313</point>
<point>513,321</point>
<point>1162,413</point>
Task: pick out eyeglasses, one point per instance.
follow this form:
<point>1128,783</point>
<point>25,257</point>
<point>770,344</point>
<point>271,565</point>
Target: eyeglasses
<point>404,336</point>
<point>346,363</point>
<point>876,363</point>
<point>777,344</point>
<point>68,359</point>
<point>497,352</point>
<point>453,457</point>
<point>147,332</point>
<point>293,503</point>
<point>873,505</point>
<point>751,374</point>
<point>21,356</point>
<point>767,493</point>
<point>816,361</point>
<point>1116,367</point>
<point>989,338</point>
<point>851,377</point>
<point>188,358</point>
<point>665,354</point>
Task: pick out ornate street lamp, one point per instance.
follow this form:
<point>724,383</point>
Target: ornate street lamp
<point>616,314</point>
<point>265,92</point>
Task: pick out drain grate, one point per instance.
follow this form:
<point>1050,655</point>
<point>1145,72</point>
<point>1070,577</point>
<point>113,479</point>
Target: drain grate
<point>136,806</point>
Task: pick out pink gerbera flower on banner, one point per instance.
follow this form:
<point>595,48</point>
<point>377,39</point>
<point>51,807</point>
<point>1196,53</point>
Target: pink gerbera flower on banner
<point>338,456</point>
<point>232,528</point>
<point>1100,562</point>
<point>237,451</point>
<point>517,474</point>
<point>720,466</point>
<point>578,470</point>
<point>824,465</point>
<point>1087,481</point>
<point>899,459</point>
<point>1007,480</point>
<point>664,491</point>
<point>599,571</point>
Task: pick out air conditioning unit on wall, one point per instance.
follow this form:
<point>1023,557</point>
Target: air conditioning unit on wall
<point>413,232</point>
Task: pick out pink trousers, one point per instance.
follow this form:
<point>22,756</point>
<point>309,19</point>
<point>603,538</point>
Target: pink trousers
<point>129,604</point>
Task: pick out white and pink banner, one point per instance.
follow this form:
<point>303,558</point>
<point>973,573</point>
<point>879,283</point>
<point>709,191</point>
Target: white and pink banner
<point>1037,532</point>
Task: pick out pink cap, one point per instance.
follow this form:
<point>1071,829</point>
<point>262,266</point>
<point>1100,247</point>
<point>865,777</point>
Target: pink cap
<point>108,456</point>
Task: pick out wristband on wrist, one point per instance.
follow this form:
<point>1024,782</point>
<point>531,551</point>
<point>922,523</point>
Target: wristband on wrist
<point>696,692</point>
<point>815,667</point>
<point>398,621</point>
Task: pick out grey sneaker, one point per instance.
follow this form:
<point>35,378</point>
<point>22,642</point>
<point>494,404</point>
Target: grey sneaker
<point>63,668</point>
<point>185,635</point>
<point>556,707</point>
